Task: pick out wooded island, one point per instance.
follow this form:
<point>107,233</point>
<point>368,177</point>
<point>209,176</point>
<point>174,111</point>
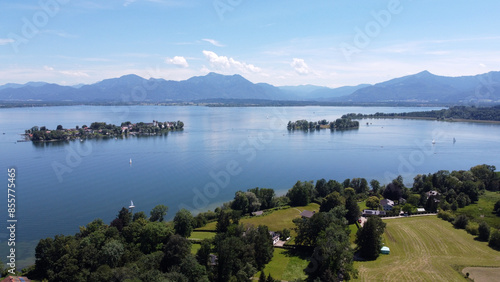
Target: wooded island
<point>102,130</point>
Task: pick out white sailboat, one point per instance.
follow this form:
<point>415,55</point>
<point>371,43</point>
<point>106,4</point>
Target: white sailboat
<point>131,205</point>
<point>433,141</point>
<point>130,161</point>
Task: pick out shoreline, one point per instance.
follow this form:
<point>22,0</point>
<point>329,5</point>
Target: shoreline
<point>435,119</point>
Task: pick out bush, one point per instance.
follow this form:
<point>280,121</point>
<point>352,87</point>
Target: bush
<point>495,240</point>
<point>461,222</point>
<point>472,228</point>
<point>445,215</point>
<point>484,231</point>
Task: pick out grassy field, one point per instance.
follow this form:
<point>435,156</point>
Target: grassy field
<point>483,209</point>
<point>202,235</point>
<point>426,249</point>
<point>277,220</point>
<point>286,265</point>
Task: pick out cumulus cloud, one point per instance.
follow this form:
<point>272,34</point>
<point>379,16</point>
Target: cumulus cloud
<point>223,63</point>
<point>5,41</point>
<point>213,42</point>
<point>178,61</point>
<point>300,66</point>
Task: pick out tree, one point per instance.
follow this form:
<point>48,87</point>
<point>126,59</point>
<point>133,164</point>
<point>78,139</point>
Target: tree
<point>375,186</point>
<point>262,277</point>
<point>496,208</point>
<point>353,212</point>
<point>393,191</point>
<point>369,238</point>
<point>373,203</point>
<point>335,255</point>
<point>461,221</point>
<point>183,223</point>
<point>284,234</point>
<point>204,252</point>
<point>407,208</point>
<point>112,252</point>
<point>139,215</point>
<point>176,249</point>
<point>223,221</point>
<point>308,229</point>
<point>360,185</point>
<point>332,200</point>
<point>484,231</point>
<point>494,241</point>
<point>240,202</point>
<point>300,194</point>
<point>59,127</point>
<point>158,213</point>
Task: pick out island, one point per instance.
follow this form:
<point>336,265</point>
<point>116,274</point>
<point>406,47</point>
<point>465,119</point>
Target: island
<point>343,123</point>
<point>102,130</point>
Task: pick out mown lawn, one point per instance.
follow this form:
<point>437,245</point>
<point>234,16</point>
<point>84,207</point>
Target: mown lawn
<point>426,249</point>
<point>483,209</point>
<point>202,235</point>
<point>287,265</point>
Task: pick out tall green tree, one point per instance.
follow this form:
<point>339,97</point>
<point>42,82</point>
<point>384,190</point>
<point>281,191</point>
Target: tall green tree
<point>300,194</point>
<point>353,212</point>
<point>183,223</point>
<point>158,213</point>
<point>332,200</point>
<point>369,238</point>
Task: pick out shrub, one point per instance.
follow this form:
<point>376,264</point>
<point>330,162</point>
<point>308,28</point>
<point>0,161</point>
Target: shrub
<point>472,228</point>
<point>484,231</point>
<point>495,240</point>
<point>461,222</point>
<point>445,215</point>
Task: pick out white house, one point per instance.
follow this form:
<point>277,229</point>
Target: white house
<point>387,204</point>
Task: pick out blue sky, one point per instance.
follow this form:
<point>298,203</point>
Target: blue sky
<point>329,43</point>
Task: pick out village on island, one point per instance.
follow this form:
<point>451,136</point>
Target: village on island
<point>101,130</point>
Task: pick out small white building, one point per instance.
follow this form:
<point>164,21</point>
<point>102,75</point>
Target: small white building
<point>387,204</point>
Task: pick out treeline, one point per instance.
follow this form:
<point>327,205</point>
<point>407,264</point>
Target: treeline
<point>338,124</point>
<point>134,247</point>
<point>457,112</point>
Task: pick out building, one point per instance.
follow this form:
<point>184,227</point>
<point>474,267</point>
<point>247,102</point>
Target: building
<point>307,214</point>
<point>275,236</point>
<point>373,212</point>
<point>431,193</point>
<point>387,204</point>
<point>256,213</point>
<point>420,210</point>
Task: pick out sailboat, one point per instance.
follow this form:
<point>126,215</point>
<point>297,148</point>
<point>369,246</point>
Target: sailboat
<point>454,140</point>
<point>131,205</point>
<point>130,161</point>
<point>433,142</point>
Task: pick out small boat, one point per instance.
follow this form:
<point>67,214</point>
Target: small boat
<point>131,205</point>
<point>433,142</point>
<point>130,161</point>
<point>454,140</point>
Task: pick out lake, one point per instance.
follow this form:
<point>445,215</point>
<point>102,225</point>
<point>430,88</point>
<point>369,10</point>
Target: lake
<point>61,186</point>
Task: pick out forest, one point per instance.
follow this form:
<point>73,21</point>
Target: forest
<point>452,113</point>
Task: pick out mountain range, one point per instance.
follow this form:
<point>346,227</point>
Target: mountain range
<point>421,88</point>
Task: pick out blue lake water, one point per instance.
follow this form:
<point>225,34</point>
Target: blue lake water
<point>61,186</point>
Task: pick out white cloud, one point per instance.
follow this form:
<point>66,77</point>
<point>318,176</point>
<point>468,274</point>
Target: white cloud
<point>47,68</point>
<point>5,41</point>
<point>223,63</point>
<point>74,73</point>
<point>213,42</point>
<point>300,66</point>
<point>178,61</point>
<point>128,2</point>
